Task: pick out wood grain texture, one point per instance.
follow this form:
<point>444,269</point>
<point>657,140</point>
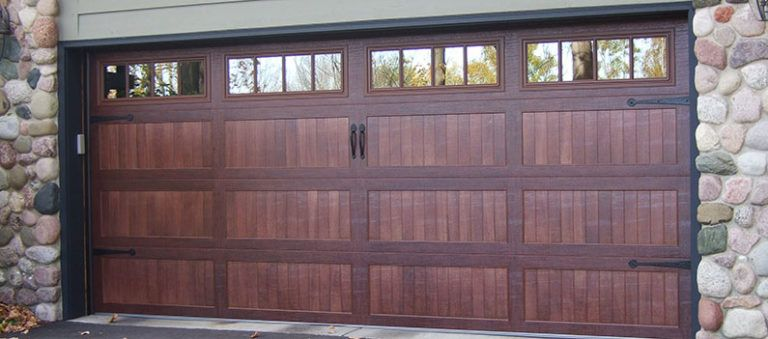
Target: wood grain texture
<point>287,143</point>
<point>157,282</point>
<point>309,215</point>
<point>440,216</point>
<point>155,214</point>
<point>166,145</point>
<point>602,297</point>
<point>290,286</point>
<point>437,140</point>
<point>600,217</point>
<point>447,292</point>
<point>615,137</point>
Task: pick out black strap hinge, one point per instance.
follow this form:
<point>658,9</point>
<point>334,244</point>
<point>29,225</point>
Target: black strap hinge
<point>678,101</point>
<point>683,264</point>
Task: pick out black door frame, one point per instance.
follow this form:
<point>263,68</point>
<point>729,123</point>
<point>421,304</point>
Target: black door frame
<point>73,84</point>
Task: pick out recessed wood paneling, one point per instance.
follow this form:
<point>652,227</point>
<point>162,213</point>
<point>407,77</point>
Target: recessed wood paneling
<point>287,143</point>
<point>156,214</point>
<point>442,216</point>
<point>437,140</point>
<point>621,137</point>
<point>157,282</point>
<point>154,145</point>
<point>290,286</point>
<point>602,297</point>
<point>448,292</point>
<point>315,215</point>
<point>600,217</point>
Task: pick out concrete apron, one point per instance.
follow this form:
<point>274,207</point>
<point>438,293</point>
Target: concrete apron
<point>340,330</point>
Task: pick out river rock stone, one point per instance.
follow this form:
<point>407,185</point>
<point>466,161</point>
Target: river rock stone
<point>746,23</point>
<point>45,146</point>
<point>744,279</point>
<point>705,3</point>
<point>759,257</point>
<point>742,240</point>
<point>756,74</point>
<point>8,69</point>
<point>712,109</point>
<point>7,295</point>
<point>745,105</point>
<point>8,256</point>
<point>29,218</point>
<point>752,163</point>
<point>27,17</point>
<point>23,144</point>
<point>732,137</point>
<point>26,297</point>
<point>17,91</point>
<point>711,240</point>
<point>710,53</point>
<point>713,213</point>
<point>9,127</point>
<point>714,281</point>
<point>723,14</point>
<point>47,275</point>
<point>26,160</point>
<point>17,177</point>
<point>743,216</point>
<point>42,254</point>
<point>736,190</point>
<point>47,230</point>
<point>710,315</point>
<point>45,32</point>
<point>47,169</point>
<point>44,105</point>
<point>760,193</point>
<point>48,7</point>
<point>44,56</point>
<point>6,234</point>
<point>724,36</point>
<point>703,23</point>
<point>706,78</point>
<point>741,301</point>
<point>741,323</point>
<point>48,84</point>
<point>48,312</point>
<point>757,136</point>
<point>22,111</point>
<point>43,127</point>
<point>717,162</point>
<point>748,50</point>
<point>48,294</point>
<point>709,187</point>
<point>762,289</point>
<point>7,155</point>
<point>706,138</point>
<point>47,199</point>
<point>33,77</point>
<point>16,202</point>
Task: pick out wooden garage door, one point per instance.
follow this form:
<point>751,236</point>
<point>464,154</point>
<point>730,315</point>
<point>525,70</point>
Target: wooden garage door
<point>508,196</point>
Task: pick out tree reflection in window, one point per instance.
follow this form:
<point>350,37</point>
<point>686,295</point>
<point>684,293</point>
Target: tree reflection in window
<point>542,62</point>
<point>613,59</point>
<point>650,58</point>
<point>155,79</point>
<point>269,74</point>
<point>241,76</point>
<point>138,80</point>
<point>449,66</point>
<point>482,65</point>
<point>577,60</point>
<point>417,67</point>
<point>328,72</point>
<point>298,73</point>
<point>166,79</point>
<point>385,69</point>
<point>286,73</point>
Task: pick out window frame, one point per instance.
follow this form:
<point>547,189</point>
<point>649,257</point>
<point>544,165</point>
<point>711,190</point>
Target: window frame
<point>596,83</point>
<point>283,54</point>
<point>431,45</point>
<point>101,65</point>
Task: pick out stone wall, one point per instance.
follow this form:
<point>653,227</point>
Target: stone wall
<point>29,168</point>
<point>732,137</point>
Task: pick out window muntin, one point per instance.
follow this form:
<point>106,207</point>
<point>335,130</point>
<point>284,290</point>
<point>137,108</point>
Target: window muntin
<point>430,67</point>
<point>154,79</point>
<point>624,58</point>
<point>290,73</point>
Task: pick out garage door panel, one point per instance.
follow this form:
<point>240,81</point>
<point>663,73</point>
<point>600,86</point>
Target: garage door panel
<point>290,286</point>
<point>602,296</point>
<point>171,145</point>
<point>287,143</point>
<point>437,140</point>
<point>438,216</point>
<point>629,217</point>
<point>307,215</point>
<point>157,282</point>
<point>446,292</point>
<point>154,214</point>
<point>606,137</point>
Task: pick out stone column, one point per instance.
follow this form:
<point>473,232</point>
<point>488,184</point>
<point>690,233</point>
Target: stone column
<point>732,137</point>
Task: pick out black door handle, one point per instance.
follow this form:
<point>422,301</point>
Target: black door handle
<point>683,264</point>
<point>108,251</point>
<point>353,140</point>
<point>362,141</point>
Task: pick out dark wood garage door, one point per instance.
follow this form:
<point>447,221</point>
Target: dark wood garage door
<point>510,201</point>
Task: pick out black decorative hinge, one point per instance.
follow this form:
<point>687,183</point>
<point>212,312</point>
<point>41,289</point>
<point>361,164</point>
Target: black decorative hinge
<point>106,118</point>
<point>110,251</point>
<point>683,265</point>
<point>679,101</point>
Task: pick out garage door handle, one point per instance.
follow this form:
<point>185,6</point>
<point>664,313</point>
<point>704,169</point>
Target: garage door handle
<point>353,140</point>
<point>683,265</point>
<point>362,141</point>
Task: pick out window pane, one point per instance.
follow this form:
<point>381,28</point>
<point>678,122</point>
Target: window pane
<point>577,60</point>
<point>114,81</point>
<point>650,59</point>
<point>192,77</point>
<point>166,79</point>
<point>613,59</point>
<point>241,76</point>
<point>542,62</point>
<point>269,73</point>
<point>449,63</point>
<point>417,67</point>
<point>482,65</point>
<point>385,69</point>
<point>298,73</point>
<point>138,80</point>
<point>328,72</point>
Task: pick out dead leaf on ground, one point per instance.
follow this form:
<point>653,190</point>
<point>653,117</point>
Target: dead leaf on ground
<point>113,318</point>
<point>16,318</point>
<point>255,334</point>
<point>85,332</point>
<point>331,329</point>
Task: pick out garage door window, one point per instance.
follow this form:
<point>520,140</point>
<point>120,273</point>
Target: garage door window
<point>276,74</point>
<point>154,79</point>
<point>430,67</point>
<point>603,59</point>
